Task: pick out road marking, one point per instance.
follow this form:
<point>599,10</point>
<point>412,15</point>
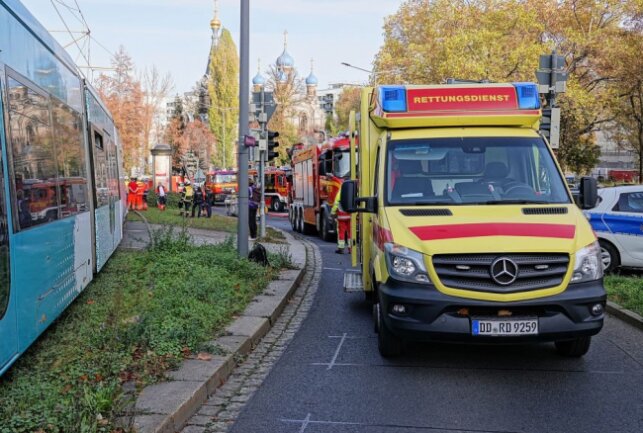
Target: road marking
<point>304,424</point>
<point>334,269</point>
<point>438,367</point>
<point>348,337</point>
<point>339,347</point>
<point>307,421</point>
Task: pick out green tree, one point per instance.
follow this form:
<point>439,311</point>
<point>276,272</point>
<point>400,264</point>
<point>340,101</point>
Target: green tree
<point>427,41</point>
<point>223,89</point>
<point>627,128</point>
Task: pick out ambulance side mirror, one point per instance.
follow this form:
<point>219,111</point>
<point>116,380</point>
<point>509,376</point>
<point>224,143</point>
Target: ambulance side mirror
<point>347,199</point>
<point>588,193</point>
<point>350,202</point>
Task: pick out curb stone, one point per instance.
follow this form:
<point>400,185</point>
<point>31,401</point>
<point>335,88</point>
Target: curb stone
<point>167,406</point>
<point>625,315</point>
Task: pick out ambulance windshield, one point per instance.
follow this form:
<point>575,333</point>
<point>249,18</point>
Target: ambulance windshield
<point>472,170</point>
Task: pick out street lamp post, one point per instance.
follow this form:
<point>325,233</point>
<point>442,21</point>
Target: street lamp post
<point>356,67</point>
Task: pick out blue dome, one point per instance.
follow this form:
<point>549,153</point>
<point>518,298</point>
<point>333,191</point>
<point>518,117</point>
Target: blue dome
<point>285,60</point>
<point>311,80</point>
<point>258,80</point>
<point>282,77</point>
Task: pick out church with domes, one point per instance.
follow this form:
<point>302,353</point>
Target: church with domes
<point>302,108</point>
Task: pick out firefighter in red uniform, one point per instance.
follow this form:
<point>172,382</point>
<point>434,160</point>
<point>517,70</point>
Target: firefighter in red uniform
<point>132,193</point>
<point>343,225</point>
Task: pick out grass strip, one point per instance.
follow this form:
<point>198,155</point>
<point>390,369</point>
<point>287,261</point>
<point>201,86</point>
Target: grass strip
<point>626,291</point>
<point>171,216</point>
<point>143,314</point>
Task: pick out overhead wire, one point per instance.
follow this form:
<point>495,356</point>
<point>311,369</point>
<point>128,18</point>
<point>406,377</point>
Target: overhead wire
<point>87,37</point>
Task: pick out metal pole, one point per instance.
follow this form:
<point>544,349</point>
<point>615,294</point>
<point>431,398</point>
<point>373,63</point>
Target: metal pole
<point>262,173</point>
<point>244,79</point>
<point>225,145</point>
<point>552,81</point>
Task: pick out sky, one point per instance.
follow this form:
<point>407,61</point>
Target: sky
<point>175,35</point>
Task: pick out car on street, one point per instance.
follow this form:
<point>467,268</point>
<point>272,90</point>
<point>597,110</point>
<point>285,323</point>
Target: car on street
<point>617,221</point>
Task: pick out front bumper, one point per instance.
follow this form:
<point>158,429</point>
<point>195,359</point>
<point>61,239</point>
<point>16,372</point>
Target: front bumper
<point>432,315</point>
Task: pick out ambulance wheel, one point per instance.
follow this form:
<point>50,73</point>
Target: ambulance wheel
<point>609,256</point>
<point>389,345</point>
<point>276,205</point>
<point>573,348</point>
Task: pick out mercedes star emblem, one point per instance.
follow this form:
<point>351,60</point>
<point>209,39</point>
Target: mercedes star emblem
<point>504,271</point>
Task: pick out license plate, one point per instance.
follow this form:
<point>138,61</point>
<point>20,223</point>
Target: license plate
<point>501,327</point>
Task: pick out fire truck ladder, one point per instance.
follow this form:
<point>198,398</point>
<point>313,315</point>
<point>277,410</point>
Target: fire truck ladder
<point>353,281</point>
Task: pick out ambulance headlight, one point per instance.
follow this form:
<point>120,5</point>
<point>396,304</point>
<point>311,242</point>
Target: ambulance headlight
<point>405,264</point>
<point>588,266</point>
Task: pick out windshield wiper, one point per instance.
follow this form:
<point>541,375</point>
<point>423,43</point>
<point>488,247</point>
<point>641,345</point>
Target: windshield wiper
<point>516,202</point>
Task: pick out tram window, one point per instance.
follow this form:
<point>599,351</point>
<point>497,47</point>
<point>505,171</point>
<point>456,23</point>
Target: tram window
<point>31,139</point>
<point>72,172</point>
<point>112,169</point>
<point>100,168</point>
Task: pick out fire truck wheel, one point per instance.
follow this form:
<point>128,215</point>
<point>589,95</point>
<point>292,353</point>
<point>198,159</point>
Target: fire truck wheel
<point>325,232</point>
<point>300,222</point>
<point>276,205</point>
<point>389,345</point>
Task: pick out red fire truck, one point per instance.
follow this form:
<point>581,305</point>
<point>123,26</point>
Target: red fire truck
<point>222,183</point>
<point>277,187</point>
<point>318,174</point>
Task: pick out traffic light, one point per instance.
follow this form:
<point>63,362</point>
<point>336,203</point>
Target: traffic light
<point>550,126</point>
<point>272,153</point>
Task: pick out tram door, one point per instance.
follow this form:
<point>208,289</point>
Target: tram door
<point>8,325</point>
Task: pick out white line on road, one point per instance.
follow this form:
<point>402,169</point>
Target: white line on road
<point>334,269</point>
<point>349,337</point>
<point>339,347</point>
<point>304,424</point>
<point>307,421</point>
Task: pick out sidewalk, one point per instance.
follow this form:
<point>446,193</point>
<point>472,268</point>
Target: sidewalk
<point>167,406</point>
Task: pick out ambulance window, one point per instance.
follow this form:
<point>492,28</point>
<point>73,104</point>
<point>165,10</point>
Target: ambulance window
<point>377,172</point>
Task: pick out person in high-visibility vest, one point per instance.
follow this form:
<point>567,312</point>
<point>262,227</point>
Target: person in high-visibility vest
<point>343,225</point>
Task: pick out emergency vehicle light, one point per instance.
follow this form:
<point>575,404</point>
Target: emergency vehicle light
<point>393,98</point>
<point>527,96</point>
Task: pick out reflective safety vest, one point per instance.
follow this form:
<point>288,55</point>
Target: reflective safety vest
<point>336,210</point>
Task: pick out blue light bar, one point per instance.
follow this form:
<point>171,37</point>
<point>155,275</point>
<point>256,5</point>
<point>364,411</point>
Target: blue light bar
<point>393,98</point>
<point>528,98</point>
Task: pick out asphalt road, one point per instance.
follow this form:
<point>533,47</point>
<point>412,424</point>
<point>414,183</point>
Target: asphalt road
<point>332,379</point>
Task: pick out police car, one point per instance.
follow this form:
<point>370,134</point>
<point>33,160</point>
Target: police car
<point>617,220</point>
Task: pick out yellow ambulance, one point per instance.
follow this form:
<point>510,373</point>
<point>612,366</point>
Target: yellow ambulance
<point>464,227</point>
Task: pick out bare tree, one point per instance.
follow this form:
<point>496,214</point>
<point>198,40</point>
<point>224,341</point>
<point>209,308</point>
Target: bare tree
<point>156,88</point>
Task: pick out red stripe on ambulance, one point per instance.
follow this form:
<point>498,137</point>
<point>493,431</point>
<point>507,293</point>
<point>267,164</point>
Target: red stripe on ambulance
<point>454,231</point>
